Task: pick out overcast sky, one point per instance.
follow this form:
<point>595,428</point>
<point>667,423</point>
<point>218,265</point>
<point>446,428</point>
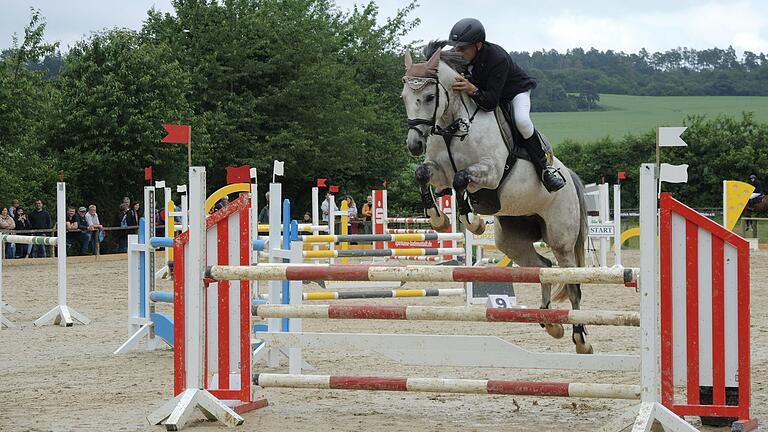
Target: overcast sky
<point>628,26</point>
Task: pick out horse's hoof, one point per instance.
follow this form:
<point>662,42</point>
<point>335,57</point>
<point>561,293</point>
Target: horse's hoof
<point>585,348</point>
<point>476,227</point>
<point>438,220</point>
<point>555,330</point>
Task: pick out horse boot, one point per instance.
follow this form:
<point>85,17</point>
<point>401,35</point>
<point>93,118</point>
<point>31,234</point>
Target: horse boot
<point>552,178</point>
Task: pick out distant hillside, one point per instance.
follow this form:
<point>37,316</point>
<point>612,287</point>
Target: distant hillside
<point>572,80</point>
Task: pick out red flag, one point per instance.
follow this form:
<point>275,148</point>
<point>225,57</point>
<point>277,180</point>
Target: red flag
<point>177,134</point>
<point>148,174</point>
<point>321,183</point>
<point>622,175</point>
<point>384,184</point>
<point>241,174</point>
<point>334,189</point>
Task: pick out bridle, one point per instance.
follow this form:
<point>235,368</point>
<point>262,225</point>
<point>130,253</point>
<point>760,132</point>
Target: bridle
<point>458,129</point>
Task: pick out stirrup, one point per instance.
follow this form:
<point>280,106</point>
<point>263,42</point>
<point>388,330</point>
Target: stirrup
<point>554,173</point>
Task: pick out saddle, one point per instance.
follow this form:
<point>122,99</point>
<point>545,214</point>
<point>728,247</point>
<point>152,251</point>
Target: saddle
<point>486,201</point>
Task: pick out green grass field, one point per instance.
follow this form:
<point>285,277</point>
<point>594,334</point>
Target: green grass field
<point>638,114</point>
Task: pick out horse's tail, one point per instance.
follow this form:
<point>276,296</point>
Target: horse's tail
<point>561,293</point>
<point>581,239</point>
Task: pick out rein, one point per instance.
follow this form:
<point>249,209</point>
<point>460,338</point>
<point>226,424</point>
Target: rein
<point>458,129</point>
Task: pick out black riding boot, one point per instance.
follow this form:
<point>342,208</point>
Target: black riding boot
<point>551,177</point>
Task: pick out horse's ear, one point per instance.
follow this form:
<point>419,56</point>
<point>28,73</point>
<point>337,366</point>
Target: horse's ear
<point>434,61</point>
<point>408,59</point>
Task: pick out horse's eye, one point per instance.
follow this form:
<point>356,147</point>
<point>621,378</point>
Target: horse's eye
<point>430,98</point>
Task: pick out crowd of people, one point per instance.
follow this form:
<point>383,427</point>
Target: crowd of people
<point>83,228</point>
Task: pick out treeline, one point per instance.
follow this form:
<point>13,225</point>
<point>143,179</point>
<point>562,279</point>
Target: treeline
<point>293,80</point>
<point>569,81</point>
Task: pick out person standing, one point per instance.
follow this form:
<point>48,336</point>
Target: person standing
<point>7,224</point>
<point>22,224</point>
<point>264,213</point>
<point>40,219</point>
<point>367,215</point>
<point>351,215</point>
<point>122,234</point>
<point>12,209</point>
<point>94,226</point>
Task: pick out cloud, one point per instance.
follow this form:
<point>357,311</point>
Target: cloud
<point>741,25</point>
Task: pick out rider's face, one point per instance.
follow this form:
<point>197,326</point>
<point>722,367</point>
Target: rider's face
<point>469,51</point>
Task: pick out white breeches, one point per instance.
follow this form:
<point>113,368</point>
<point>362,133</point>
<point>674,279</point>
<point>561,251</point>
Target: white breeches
<point>521,105</point>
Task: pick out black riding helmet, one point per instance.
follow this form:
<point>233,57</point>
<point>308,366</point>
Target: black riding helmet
<point>466,32</point>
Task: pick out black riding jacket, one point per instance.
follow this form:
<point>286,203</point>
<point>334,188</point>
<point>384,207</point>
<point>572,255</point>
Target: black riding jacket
<point>497,77</point>
<point>758,186</point>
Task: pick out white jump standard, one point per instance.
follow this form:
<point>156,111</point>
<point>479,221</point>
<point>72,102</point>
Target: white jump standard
<point>61,314</point>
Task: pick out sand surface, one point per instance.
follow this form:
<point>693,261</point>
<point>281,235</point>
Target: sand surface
<point>66,379</point>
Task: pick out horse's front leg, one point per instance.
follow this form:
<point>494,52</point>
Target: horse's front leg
<point>482,175</point>
<point>425,174</point>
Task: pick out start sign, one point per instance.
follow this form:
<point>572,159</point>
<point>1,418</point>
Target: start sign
<point>601,230</point>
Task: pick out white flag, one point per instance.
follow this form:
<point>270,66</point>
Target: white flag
<point>674,173</point>
<point>670,137</point>
<point>277,170</point>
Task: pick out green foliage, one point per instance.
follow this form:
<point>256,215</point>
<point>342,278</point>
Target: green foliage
<point>28,172</point>
<point>294,80</point>
<point>114,92</point>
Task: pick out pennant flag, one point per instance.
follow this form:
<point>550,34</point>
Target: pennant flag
<point>334,189</point>
<point>674,173</point>
<point>241,174</point>
<point>736,197</point>
<point>622,175</point>
<point>670,137</point>
<point>148,174</point>
<point>278,168</point>
<point>177,134</point>
<point>322,182</point>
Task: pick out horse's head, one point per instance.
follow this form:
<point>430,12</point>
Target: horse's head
<point>421,95</point>
<point>427,91</point>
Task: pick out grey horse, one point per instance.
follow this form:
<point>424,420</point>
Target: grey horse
<point>465,150</point>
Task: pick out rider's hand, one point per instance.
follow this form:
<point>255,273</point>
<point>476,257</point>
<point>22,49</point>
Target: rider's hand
<point>463,85</point>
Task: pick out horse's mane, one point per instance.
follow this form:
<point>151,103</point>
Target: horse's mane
<point>452,58</point>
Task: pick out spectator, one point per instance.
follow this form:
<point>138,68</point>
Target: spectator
<point>351,215</point>
<point>328,206</point>
<point>132,215</point>
<point>12,209</point>
<point>7,224</point>
<point>40,219</point>
<point>222,203</point>
<point>22,224</point>
<point>122,235</point>
<point>94,226</point>
<point>264,213</point>
<point>77,229</point>
<point>307,218</point>
<point>367,215</point>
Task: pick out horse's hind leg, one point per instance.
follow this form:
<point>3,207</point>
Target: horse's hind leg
<point>568,259</point>
<point>437,218</point>
<point>515,237</point>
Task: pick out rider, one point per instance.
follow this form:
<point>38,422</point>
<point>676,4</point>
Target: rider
<point>496,80</point>
<point>758,193</point>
